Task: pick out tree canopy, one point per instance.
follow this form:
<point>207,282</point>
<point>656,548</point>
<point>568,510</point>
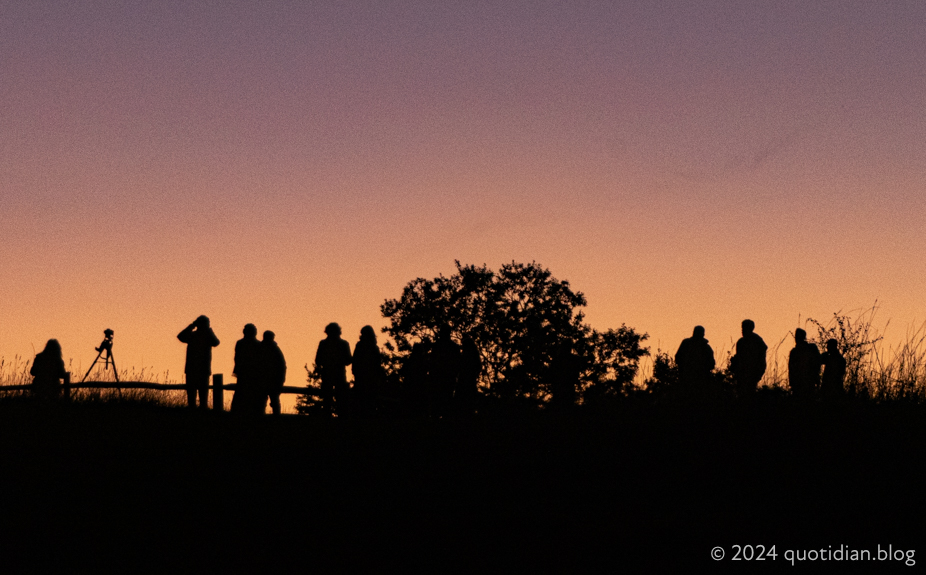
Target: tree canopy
<point>521,319</point>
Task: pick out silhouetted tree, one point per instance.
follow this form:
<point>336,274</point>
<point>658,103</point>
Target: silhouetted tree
<point>665,376</point>
<point>612,361</point>
<point>517,317</point>
<point>311,403</point>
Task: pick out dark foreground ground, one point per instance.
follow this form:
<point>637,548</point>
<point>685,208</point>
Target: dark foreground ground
<point>129,489</point>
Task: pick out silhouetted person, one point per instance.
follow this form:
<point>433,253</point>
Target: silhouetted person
<point>445,367</point>
<point>565,374</point>
<point>414,373</point>
<point>748,365</point>
<point>272,371</point>
<point>47,371</point>
<point>368,372</point>
<point>803,366</point>
<point>468,380</point>
<point>247,370</point>
<point>200,340</point>
<point>695,361</point>
<point>331,359</point>
<point>834,371</point>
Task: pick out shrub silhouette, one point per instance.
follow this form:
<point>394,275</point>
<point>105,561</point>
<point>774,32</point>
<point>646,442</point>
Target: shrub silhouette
<point>871,372</point>
<point>310,404</point>
<point>520,317</point>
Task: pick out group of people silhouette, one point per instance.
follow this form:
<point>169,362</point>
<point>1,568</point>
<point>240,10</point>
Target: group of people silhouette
<point>695,362</point>
<point>440,378</point>
<point>260,368</point>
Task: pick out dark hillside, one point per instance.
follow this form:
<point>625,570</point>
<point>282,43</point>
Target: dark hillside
<point>115,488</point>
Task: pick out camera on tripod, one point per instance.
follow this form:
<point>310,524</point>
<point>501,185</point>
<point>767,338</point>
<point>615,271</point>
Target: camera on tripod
<point>106,346</point>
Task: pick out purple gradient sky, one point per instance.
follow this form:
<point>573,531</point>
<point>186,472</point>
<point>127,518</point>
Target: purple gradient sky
<point>291,164</point>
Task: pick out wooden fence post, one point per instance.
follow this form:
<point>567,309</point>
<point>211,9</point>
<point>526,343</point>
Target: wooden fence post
<point>218,392</point>
<point>66,389</point>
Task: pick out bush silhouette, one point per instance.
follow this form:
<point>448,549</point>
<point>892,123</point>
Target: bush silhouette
<point>520,318</point>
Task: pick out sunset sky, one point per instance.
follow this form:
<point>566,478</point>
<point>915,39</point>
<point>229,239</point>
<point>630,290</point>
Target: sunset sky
<point>293,163</point>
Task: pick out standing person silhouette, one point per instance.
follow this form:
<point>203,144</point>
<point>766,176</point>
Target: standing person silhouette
<point>565,370</point>
<point>803,366</point>
<point>47,371</point>
<point>368,372</point>
<point>834,371</point>
<point>273,373</point>
<point>331,360</point>
<point>415,370</point>
<point>445,367</point>
<point>748,365</point>
<point>247,370</point>
<point>468,381</point>
<point>695,360</point>
<point>200,340</point>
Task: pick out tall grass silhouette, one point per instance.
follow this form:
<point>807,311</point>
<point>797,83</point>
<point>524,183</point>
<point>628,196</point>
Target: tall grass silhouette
<point>15,372</point>
<point>875,370</point>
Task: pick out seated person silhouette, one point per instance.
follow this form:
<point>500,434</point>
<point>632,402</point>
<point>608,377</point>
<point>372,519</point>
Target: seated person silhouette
<point>47,371</point>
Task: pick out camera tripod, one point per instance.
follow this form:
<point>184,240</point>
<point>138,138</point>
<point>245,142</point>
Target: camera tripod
<point>105,347</point>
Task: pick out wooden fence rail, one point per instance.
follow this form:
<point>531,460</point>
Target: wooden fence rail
<point>218,388</point>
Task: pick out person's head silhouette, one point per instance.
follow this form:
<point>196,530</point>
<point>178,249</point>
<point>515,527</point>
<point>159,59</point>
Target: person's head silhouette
<point>202,322</point>
<point>367,333</point>
<point>698,332</point>
<point>250,331</point>
<point>52,348</point>
<point>800,336</point>
<point>333,330</point>
<point>832,346</point>
<point>749,326</point>
<point>269,335</point>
